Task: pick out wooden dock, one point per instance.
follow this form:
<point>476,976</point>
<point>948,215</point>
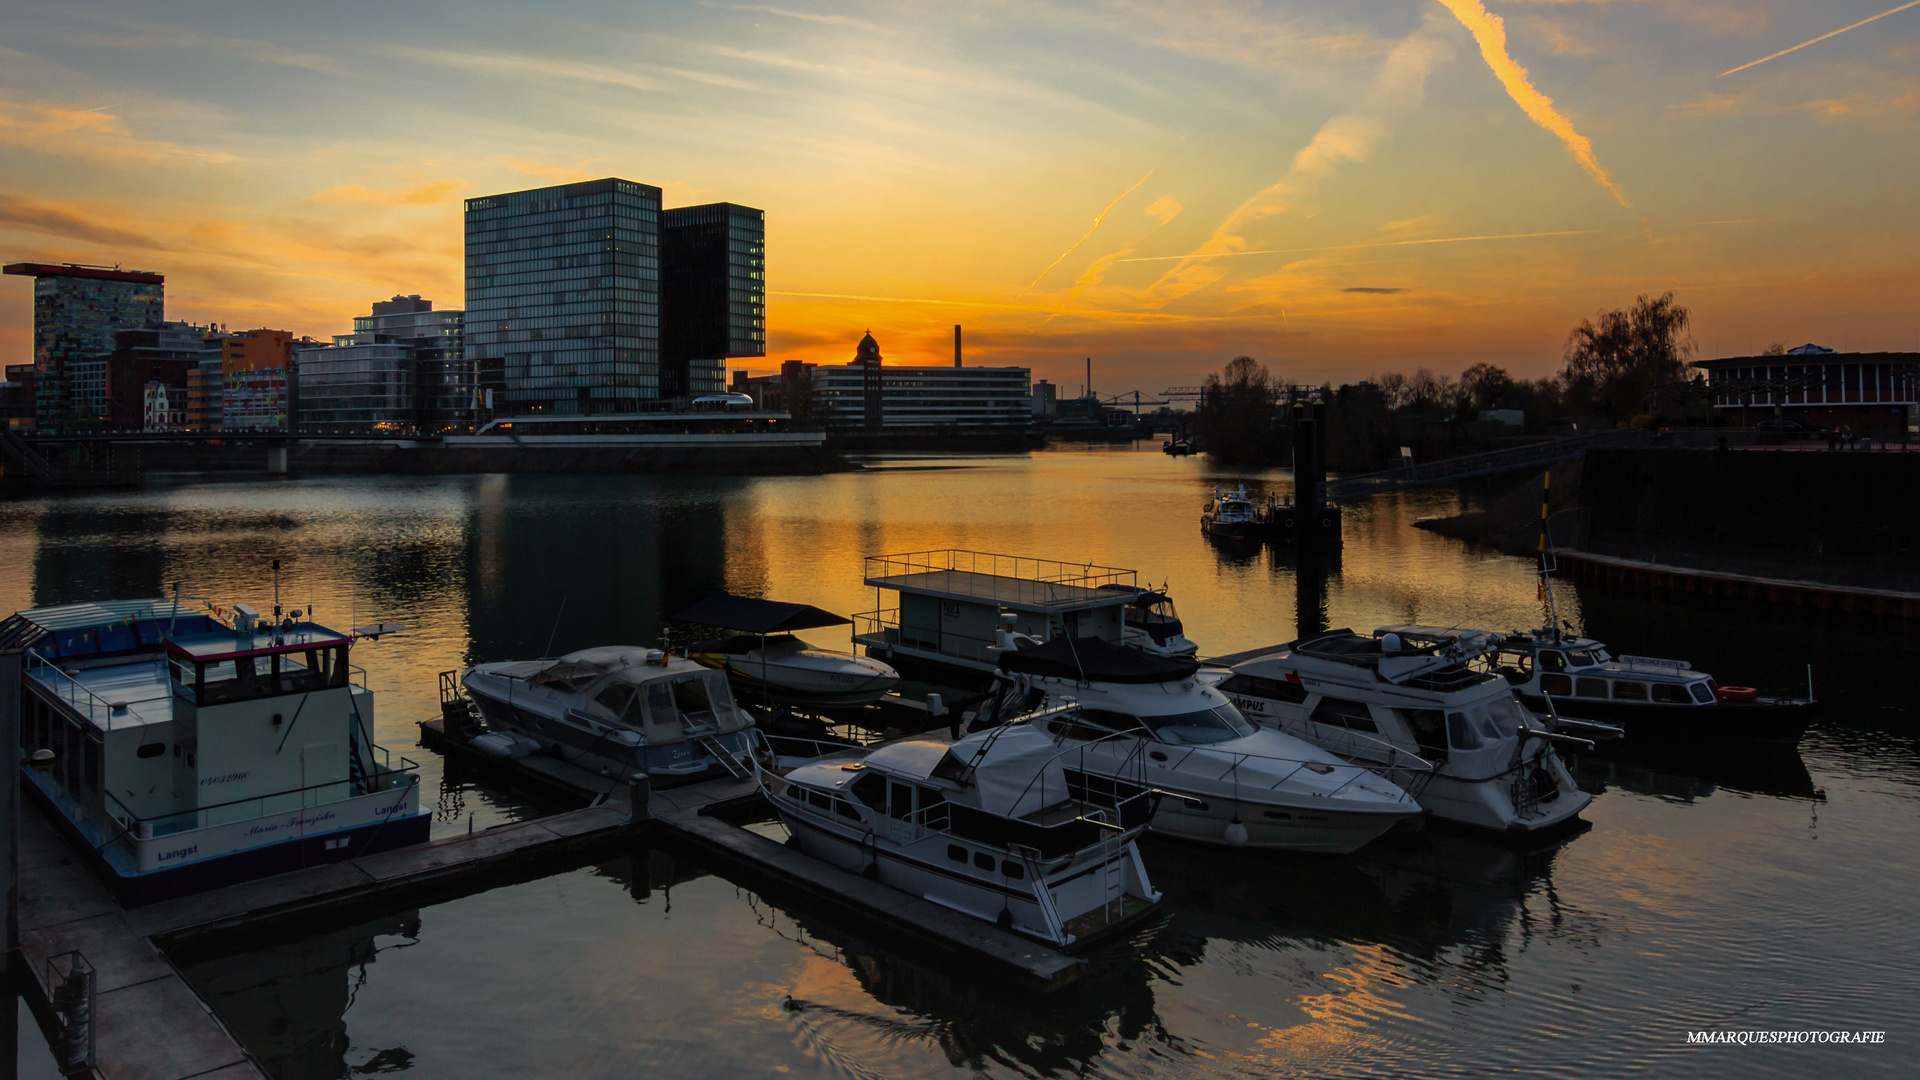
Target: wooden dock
<point>1660,577</point>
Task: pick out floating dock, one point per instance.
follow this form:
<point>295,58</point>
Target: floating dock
<point>1660,577</point>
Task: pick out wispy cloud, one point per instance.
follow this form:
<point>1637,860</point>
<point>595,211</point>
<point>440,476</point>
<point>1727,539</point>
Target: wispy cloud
<point>1369,244</point>
<point>651,77</point>
<point>1097,219</point>
<point>66,222</point>
<point>1818,40</point>
<point>426,193</point>
<point>1373,290</point>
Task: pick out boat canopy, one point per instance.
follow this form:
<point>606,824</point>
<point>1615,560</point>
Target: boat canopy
<point>756,616</point>
<point>1095,659</point>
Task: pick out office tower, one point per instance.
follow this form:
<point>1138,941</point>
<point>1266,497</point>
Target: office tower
<point>402,369</point>
<point>713,294</point>
<point>76,311</point>
<point>563,296</point>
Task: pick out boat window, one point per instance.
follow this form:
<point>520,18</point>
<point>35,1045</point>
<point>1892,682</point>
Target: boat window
<point>1270,689</point>
<point>721,693</point>
<point>1218,724</point>
<point>900,802</point>
<point>1340,712</point>
<point>1552,661</point>
<point>1628,690</point>
<point>1429,730</point>
<point>1499,717</point>
<point>1556,685</point>
<point>1580,658</point>
<point>615,698</point>
<point>845,809</point>
<point>872,790</point>
<point>956,853</point>
<point>1601,656</point>
<point>1094,724</point>
<point>820,799</point>
<point>690,695</point>
<point>1461,732</point>
<point>1596,688</point>
<point>1702,692</point>
<point>933,808</point>
<point>1666,693</point>
<point>1013,869</point>
<point>982,861</point>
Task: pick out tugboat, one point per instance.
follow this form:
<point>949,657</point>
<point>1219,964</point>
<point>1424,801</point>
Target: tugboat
<point>1223,780</point>
<point>1410,691</point>
<point>183,747</point>
<point>1232,516</point>
<point>617,710</point>
<point>1002,825</point>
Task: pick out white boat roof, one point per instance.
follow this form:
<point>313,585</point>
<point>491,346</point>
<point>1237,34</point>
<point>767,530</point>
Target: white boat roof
<point>1011,592</point>
<point>912,757</point>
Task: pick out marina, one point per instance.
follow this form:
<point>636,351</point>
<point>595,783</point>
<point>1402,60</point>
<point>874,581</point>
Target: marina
<point>865,947</point>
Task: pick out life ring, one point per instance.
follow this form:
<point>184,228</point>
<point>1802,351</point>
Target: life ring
<point>1739,694</point>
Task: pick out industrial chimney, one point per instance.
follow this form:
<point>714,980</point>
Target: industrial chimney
<point>956,344</point>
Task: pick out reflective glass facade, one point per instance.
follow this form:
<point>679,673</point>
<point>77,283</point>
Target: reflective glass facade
<point>713,293</point>
<point>563,295</point>
<point>76,311</point>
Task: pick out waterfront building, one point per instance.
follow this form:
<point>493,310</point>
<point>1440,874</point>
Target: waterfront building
<point>563,296</point>
<point>166,354</point>
<point>163,407</point>
<point>868,395</point>
<point>1045,398</point>
<point>255,368</point>
<point>76,311</point>
<point>713,294</point>
<point>1871,393</point>
<point>402,369</point>
<point>16,398</point>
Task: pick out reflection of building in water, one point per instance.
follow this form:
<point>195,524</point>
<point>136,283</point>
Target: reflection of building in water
<point>619,552</point>
<point>287,1004</point>
<point>82,553</point>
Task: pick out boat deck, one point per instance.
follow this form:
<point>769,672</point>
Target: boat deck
<point>142,686</point>
<point>1000,590</point>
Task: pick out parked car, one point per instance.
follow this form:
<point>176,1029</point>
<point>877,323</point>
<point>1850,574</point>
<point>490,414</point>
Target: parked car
<point>1791,429</point>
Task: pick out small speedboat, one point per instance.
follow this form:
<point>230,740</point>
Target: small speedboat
<point>1231,516</point>
<point>999,825</point>
<point>617,710</point>
<point>1227,781</point>
<point>1411,692</point>
<point>1151,624</point>
<point>787,669</point>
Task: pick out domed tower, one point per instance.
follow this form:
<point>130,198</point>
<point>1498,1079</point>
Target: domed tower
<point>867,356</point>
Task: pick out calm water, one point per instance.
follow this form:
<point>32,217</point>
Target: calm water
<point>1734,890</point>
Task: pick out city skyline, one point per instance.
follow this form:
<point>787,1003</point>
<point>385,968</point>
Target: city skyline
<point>1336,190</point>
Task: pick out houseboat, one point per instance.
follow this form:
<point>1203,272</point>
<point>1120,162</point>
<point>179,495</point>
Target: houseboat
<point>617,710</point>
<point>183,748</point>
<point>1411,690</point>
<point>950,605</point>
<point>1003,825</point>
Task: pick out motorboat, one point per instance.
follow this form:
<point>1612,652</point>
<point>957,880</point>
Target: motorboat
<point>1410,690</point>
<point>1226,780</point>
<point>1562,674</point>
<point>617,710</point>
<point>1001,825</point>
<point>1232,516</point>
<point>769,663</point>
<point>1151,624</point>
<point>183,747</point>
<point>788,669</point>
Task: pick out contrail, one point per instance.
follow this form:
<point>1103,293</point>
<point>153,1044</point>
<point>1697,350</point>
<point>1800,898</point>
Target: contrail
<point>1491,34</point>
<point>1818,40</point>
<point>1346,247</point>
<point>1097,219</point>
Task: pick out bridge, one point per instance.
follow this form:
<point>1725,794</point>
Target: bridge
<point>1512,459</point>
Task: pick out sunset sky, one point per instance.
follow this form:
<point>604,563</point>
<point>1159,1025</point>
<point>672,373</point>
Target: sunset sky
<point>1335,188</point>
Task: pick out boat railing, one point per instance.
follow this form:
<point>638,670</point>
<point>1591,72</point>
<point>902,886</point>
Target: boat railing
<point>92,706</point>
<point>1379,755</point>
<point>774,747</point>
<point>984,569</point>
<point>384,777</point>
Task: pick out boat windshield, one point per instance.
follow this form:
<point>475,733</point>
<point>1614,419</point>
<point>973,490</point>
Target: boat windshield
<point>1218,724</point>
<point>1580,658</point>
<point>1486,724</point>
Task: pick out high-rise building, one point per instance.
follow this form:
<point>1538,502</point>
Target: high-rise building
<point>713,294</point>
<point>563,296</point>
<point>76,311</point>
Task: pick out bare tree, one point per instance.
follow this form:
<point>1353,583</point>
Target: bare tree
<point>1628,356</point>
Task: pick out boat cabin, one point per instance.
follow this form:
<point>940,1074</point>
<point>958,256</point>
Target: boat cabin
<point>1566,666</point>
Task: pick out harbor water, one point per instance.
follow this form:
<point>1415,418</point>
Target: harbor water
<point>1717,889</point>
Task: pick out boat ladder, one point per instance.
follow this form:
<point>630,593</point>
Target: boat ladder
<point>1114,877</point>
<point>728,760</point>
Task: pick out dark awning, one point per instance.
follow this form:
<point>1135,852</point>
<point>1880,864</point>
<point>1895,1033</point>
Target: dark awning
<point>1096,660</point>
<point>756,616</point>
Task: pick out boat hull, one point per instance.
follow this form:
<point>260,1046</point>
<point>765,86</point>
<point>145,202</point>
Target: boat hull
<point>1763,721</point>
<point>596,752</point>
<point>799,683</point>
<point>1269,825</point>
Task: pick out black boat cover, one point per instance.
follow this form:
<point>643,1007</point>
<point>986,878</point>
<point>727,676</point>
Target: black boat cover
<point>1096,660</point>
<point>756,616</point>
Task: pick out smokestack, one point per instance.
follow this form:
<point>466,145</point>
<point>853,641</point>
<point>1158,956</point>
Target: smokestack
<point>1089,378</point>
<point>956,344</point>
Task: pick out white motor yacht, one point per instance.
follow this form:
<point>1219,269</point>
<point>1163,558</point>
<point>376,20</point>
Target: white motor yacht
<point>787,669</point>
<point>1232,516</point>
<point>619,710</point>
<point>1409,690</point>
<point>996,825</point>
<point>1229,782</point>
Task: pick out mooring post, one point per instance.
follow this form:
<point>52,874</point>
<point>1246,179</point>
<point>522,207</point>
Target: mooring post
<point>639,794</point>
<point>10,797</point>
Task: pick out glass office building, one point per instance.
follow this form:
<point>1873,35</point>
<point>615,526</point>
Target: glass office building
<point>563,295</point>
<point>713,293</point>
<point>76,312</point>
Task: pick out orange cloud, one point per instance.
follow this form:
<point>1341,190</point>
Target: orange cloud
<point>1491,35</point>
<point>426,193</point>
<point>66,222</point>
